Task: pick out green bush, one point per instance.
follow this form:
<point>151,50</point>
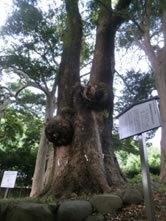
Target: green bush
<point>135,179</point>
<point>131,165</point>
<point>154,164</point>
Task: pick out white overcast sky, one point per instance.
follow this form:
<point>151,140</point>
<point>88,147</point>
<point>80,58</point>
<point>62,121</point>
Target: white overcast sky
<point>5,6</point>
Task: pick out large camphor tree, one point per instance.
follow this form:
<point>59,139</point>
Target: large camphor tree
<point>84,160</point>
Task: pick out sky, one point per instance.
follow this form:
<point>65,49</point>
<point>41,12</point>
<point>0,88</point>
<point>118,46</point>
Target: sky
<point>6,6</point>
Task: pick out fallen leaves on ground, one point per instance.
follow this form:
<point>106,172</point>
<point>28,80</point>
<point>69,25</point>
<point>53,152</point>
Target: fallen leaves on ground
<point>138,212</point>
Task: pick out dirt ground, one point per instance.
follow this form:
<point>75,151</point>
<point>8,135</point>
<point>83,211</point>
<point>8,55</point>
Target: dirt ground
<point>138,213</point>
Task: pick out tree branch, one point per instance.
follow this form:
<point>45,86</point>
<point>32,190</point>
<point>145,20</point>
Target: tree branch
<point>85,65</point>
<point>9,91</point>
<point>124,81</point>
<point>138,42</point>
<point>148,48</point>
<point>84,75</point>
<point>20,89</point>
<point>29,80</point>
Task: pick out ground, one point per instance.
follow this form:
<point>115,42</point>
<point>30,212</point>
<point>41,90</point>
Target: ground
<point>128,213</point>
<point>137,212</point>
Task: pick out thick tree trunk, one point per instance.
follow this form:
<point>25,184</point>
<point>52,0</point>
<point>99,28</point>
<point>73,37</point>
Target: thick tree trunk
<point>113,171</point>
<point>37,182</point>
<point>79,130</point>
<point>49,167</point>
<point>159,67</point>
<point>79,167</point>
<point>160,77</point>
<point>156,56</point>
<point>40,166</point>
<point>102,79</point>
<point>158,63</point>
<point>161,87</point>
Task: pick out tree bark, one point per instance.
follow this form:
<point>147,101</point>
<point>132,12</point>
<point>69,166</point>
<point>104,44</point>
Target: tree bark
<point>78,164</point>
<point>49,167</point>
<point>40,166</point>
<point>156,56</point>
<point>3,106</point>
<point>159,68</point>
<point>160,73</point>
<point>102,73</point>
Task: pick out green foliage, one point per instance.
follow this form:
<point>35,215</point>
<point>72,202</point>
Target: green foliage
<point>20,135</point>
<point>137,86</point>
<point>13,130</point>
<point>94,12</point>
<point>142,13</point>
<point>137,178</point>
<point>154,164</point>
<point>86,51</point>
<point>36,41</point>
<point>131,165</point>
<point>128,145</point>
<point>34,48</point>
<point>28,102</point>
<point>26,12</point>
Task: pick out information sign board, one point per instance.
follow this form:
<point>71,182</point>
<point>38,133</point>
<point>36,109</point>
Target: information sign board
<point>139,118</point>
<point>9,179</point>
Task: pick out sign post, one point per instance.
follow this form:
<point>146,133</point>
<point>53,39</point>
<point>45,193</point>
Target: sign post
<point>150,211</point>
<point>8,181</point>
<point>6,193</point>
<point>137,119</point>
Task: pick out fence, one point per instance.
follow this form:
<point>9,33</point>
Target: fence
<point>17,192</point>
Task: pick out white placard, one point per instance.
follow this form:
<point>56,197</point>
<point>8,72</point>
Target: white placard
<point>138,119</point>
<point>9,179</point>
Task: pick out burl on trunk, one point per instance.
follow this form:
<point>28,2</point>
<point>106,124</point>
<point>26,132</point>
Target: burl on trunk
<point>82,135</point>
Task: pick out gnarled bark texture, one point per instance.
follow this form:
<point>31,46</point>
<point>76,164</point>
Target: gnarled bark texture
<point>84,157</point>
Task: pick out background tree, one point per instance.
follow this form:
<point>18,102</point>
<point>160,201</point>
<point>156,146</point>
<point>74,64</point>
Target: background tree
<point>135,86</point>
<point>6,94</point>
<point>147,30</point>
<point>32,54</point>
